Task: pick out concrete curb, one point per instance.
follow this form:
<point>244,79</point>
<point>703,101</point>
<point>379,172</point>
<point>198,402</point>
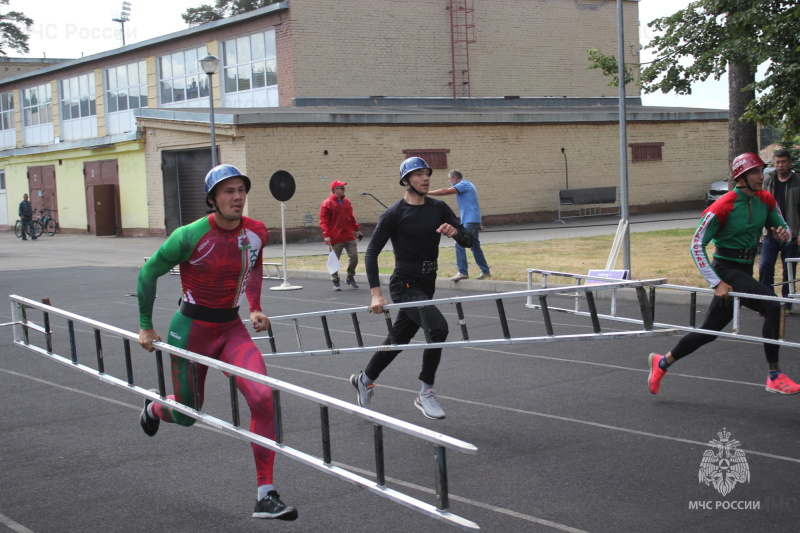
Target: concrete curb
<point>491,286</point>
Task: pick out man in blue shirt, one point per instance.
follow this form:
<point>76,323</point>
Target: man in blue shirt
<point>470,211</point>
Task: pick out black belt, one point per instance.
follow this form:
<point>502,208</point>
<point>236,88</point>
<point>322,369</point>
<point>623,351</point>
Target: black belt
<point>747,254</point>
<point>421,267</point>
<point>208,314</point>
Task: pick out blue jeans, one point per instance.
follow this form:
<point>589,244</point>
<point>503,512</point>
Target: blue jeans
<point>770,248</point>
<point>477,253</point>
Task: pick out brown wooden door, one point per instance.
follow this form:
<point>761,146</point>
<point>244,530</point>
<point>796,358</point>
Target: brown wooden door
<point>42,187</point>
<point>103,172</point>
<point>105,210</point>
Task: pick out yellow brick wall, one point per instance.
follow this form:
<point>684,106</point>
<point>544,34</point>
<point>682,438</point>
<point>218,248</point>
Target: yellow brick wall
<point>100,99</point>
<point>528,48</point>
<point>517,168</point>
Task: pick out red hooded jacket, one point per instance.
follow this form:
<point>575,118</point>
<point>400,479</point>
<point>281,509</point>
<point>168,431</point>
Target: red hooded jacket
<point>337,221</point>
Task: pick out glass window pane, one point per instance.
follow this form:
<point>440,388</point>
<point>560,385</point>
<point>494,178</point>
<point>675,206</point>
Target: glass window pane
<point>92,107</point>
<point>122,100</point>
<point>47,115</point>
<point>272,72</point>
<point>111,98</point>
<point>203,86</point>
<point>34,96</point>
<point>133,74</point>
<point>27,117</point>
<point>230,52</point>
<point>269,39</point>
<point>243,50</point>
<point>84,106</point>
<point>259,75</point>
<point>74,88</point>
<point>143,96</point>
<point>26,98</point>
<point>230,80</point>
<point>65,111</point>
<point>65,90</point>
<point>257,46</point>
<point>133,98</point>
<point>243,73</point>
<point>166,92</point>
<point>192,64</point>
<point>178,90</point>
<point>83,83</point>
<point>74,108</point>
<point>111,78</point>
<point>47,90</point>
<point>35,116</point>
<point>178,64</point>
<point>165,64</point>
<point>192,90</point>
<point>143,72</point>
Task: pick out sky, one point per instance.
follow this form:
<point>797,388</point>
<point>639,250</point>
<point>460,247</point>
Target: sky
<point>61,31</point>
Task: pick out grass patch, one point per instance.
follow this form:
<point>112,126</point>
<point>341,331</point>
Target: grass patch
<point>655,254</point>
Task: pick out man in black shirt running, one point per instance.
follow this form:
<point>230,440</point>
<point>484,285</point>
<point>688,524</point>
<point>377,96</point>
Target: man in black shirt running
<point>415,225</point>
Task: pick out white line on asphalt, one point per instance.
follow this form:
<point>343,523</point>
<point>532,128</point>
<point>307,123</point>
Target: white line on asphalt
<point>19,528</point>
<point>556,417</point>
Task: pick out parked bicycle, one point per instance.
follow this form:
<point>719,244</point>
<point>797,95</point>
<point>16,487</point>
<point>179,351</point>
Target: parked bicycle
<point>34,229</point>
<point>47,223</point>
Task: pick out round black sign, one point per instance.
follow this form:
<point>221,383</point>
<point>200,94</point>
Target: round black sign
<point>282,186</point>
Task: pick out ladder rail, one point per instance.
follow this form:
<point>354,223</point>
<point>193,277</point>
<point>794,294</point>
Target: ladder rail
<point>24,326</point>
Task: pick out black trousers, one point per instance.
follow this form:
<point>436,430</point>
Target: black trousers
<point>720,311</point>
<point>407,324</point>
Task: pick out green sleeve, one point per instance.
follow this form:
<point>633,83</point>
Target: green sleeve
<point>177,248</point>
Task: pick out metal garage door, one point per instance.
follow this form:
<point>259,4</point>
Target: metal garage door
<point>184,198</point>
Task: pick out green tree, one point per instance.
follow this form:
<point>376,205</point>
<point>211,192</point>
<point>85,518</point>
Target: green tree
<point>222,9</point>
<point>711,37</point>
<point>13,31</point>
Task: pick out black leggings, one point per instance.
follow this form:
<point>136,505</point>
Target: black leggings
<point>407,324</point>
<point>720,312</point>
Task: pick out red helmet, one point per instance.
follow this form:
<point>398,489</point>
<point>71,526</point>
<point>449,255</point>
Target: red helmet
<point>745,162</point>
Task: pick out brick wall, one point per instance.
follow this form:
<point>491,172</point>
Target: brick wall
<point>528,48</point>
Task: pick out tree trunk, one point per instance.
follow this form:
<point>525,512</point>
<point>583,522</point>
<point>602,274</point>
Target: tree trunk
<point>742,136</point>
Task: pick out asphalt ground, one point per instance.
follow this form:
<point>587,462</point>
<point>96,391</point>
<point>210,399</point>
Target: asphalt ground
<point>569,437</point>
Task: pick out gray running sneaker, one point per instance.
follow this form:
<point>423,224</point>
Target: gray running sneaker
<point>428,403</point>
<point>365,392</point>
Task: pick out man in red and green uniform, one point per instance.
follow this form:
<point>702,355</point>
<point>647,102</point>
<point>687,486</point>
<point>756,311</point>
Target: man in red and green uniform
<point>734,224</point>
<point>220,261</point>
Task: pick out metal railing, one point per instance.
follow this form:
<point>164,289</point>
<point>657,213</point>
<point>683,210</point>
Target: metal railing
<point>24,327</point>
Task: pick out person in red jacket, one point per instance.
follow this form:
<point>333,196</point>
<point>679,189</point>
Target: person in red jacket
<point>340,230</point>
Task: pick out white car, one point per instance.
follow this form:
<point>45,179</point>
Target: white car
<point>715,190</point>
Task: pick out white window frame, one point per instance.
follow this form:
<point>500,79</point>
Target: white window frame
<point>181,83</point>
<point>249,76</point>
<point>78,106</point>
<point>126,90</point>
<point>37,115</point>
<point>8,134</point>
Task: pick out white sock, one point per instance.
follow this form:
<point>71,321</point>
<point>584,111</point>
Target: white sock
<point>263,490</point>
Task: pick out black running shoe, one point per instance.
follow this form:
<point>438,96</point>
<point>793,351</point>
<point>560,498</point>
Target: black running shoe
<point>271,506</point>
<point>351,281</point>
<point>149,424</point>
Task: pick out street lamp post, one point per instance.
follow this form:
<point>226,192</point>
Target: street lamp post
<point>210,65</point>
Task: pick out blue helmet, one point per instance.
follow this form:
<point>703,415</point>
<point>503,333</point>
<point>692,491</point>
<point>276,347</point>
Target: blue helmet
<point>411,164</point>
<point>221,173</point>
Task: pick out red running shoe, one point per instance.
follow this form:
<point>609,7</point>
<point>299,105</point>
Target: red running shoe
<point>782,385</point>
<point>656,373</point>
